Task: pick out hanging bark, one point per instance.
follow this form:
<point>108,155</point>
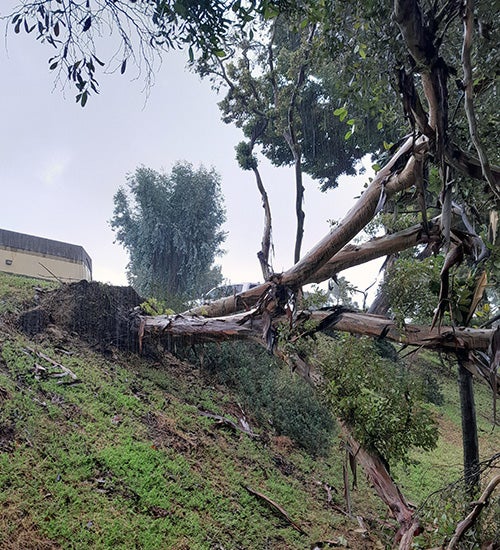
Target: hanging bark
<point>387,490</point>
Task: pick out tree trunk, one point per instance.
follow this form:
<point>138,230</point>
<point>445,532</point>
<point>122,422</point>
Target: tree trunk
<point>469,426</point>
<point>263,254</point>
<point>299,212</point>
<point>248,325</point>
<point>387,182</point>
<point>349,256</point>
<point>387,490</point>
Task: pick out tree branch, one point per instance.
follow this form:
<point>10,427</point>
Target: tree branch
<point>469,95</point>
<point>469,521</point>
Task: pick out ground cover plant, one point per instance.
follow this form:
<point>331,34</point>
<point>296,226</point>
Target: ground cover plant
<point>101,448</point>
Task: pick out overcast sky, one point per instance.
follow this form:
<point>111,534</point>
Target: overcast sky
<point>61,164</point>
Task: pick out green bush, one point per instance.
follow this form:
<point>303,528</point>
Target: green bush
<point>376,397</point>
<point>272,393</point>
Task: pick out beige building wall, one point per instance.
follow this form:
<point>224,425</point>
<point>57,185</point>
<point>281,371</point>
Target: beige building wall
<point>42,266</point>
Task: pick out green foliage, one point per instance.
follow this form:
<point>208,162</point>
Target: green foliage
<point>244,156</point>
<point>375,397</point>
<point>412,288</point>
<point>296,96</point>
<point>75,33</point>
<point>170,225</point>
<point>154,307</point>
<point>273,394</point>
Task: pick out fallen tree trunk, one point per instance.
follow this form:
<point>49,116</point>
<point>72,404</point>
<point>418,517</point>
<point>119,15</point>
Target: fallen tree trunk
<point>350,256</point>
<point>247,326</point>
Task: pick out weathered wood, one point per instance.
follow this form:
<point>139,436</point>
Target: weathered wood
<point>248,326</point>
<point>349,256</point>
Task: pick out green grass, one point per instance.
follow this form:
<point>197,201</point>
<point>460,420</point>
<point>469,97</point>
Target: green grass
<point>16,291</point>
<point>116,461</point>
<point>122,459</point>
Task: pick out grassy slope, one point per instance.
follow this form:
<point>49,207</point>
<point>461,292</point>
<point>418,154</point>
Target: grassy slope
<point>122,459</point>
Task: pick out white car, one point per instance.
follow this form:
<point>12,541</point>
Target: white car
<point>224,291</point>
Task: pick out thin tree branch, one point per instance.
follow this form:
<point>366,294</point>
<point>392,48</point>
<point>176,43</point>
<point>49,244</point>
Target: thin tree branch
<point>468,18</point>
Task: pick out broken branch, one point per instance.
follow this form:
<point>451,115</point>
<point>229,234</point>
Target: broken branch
<point>277,508</point>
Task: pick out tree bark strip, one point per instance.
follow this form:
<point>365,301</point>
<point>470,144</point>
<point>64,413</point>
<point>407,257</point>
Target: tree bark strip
<point>386,489</point>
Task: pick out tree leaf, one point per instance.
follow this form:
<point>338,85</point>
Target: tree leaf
<point>86,25</point>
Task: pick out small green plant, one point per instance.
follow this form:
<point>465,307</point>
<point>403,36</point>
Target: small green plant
<point>154,307</point>
<point>273,394</point>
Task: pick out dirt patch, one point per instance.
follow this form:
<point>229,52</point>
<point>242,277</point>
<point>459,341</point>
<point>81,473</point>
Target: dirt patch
<point>97,313</point>
<point>7,436</point>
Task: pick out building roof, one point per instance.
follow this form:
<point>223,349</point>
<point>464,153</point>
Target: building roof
<point>48,247</point>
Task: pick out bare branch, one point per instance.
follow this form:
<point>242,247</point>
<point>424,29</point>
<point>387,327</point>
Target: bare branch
<point>469,97</point>
<point>469,521</point>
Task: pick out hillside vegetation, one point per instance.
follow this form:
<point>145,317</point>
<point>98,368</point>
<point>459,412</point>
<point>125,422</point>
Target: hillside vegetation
<point>101,448</point>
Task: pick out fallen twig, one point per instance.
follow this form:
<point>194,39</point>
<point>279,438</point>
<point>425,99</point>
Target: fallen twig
<point>66,371</point>
<point>467,523</point>
<point>276,508</point>
<point>226,422</point>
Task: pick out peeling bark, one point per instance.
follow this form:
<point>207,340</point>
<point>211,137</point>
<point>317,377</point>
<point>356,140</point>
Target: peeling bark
<point>387,490</point>
<point>249,326</point>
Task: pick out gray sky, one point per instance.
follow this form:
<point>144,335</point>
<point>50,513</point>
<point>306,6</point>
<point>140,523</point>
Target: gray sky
<point>60,165</point>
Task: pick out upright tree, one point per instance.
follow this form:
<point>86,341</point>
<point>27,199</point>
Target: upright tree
<point>171,226</point>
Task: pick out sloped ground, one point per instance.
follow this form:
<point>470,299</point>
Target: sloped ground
<point>101,448</point>
<point>111,451</point>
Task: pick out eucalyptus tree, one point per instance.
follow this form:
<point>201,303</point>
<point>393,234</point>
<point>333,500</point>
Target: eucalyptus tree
<point>282,89</point>
<point>428,68</point>
<point>170,224</point>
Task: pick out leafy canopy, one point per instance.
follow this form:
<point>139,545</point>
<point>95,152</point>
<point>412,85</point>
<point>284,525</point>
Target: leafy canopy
<point>170,224</point>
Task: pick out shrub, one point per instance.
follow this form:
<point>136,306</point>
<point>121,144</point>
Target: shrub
<point>376,397</point>
<point>272,393</point>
